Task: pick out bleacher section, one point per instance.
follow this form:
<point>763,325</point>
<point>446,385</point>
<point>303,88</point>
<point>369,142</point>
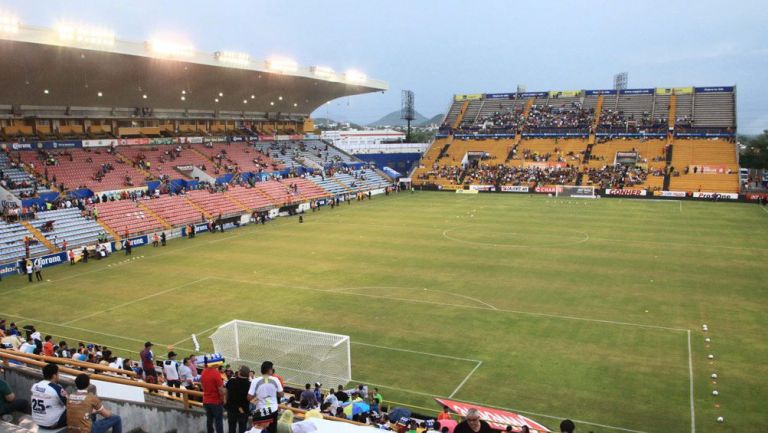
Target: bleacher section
<point>12,242</point>
<point>18,181</point>
<point>82,167</point>
<point>163,159</point>
<point>541,128</point>
<point>68,225</point>
<point>126,216</point>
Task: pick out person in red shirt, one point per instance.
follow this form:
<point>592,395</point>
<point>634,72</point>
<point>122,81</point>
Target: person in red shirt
<point>214,396</point>
<point>48,346</point>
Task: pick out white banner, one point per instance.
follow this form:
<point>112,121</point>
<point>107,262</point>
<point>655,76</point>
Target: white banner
<point>100,143</point>
<point>626,192</point>
<point>482,188</point>
<point>676,194</point>
<point>514,188</point>
<point>716,195</point>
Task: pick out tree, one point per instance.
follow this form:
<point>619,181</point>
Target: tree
<point>755,152</point>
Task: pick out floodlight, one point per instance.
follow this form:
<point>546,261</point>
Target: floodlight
<point>8,23</point>
<point>356,77</point>
<point>86,35</point>
<point>170,48</point>
<point>282,65</point>
<point>233,58</point>
<point>323,72</point>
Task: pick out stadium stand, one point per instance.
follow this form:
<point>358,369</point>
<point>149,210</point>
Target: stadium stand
<point>67,225</point>
<point>497,138</point>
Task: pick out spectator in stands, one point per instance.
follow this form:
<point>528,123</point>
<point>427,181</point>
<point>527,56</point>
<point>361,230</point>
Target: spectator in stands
<point>473,424</point>
<point>187,374</point>
<point>214,396</point>
<point>49,400</point>
<point>341,395</point>
<point>48,346</point>
<point>445,414</point>
<point>567,426</point>
<point>8,401</point>
<point>171,371</point>
<point>307,399</point>
<point>237,400</point>
<point>148,363</point>
<point>82,406</point>
<point>267,392</point>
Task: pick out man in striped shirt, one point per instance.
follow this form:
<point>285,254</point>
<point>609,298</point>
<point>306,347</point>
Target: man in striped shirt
<point>266,392</point>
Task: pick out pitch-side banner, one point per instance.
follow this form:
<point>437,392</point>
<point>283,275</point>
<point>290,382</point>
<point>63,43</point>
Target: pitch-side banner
<point>482,187</point>
<point>497,418</point>
<point>626,192</point>
<point>716,195</point>
<point>675,194</point>
<point>514,188</point>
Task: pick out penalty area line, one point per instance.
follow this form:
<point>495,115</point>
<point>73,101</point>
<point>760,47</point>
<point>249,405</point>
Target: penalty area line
<point>479,363</point>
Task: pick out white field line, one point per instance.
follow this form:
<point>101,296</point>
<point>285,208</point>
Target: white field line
<point>348,289</point>
<point>143,298</point>
<point>764,209</point>
<point>436,355</point>
<point>681,206</point>
<point>479,363</point>
<point>585,238</point>
<point>472,307</point>
<point>690,377</point>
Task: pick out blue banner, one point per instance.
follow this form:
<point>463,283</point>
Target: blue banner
<point>138,241</point>
<point>9,269</point>
<point>637,91</point>
<point>471,136</point>
<point>555,134</point>
<point>705,134</point>
<point>67,144</point>
<point>499,96</point>
<point>600,92</point>
<point>632,134</point>
<point>727,89</point>
<point>534,94</point>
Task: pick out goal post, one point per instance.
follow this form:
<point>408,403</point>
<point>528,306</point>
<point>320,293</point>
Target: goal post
<point>571,191</point>
<point>300,356</point>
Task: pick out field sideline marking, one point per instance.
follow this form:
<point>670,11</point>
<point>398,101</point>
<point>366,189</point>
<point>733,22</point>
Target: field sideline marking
<point>466,378</point>
<point>690,377</point>
<point>349,289</point>
<point>436,355</point>
<point>420,301</point>
<point>143,298</point>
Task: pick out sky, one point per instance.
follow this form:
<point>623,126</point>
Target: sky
<point>445,47</point>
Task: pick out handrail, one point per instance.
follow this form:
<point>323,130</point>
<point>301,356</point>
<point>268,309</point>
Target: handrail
<point>68,361</point>
<point>186,393</point>
<point>40,361</point>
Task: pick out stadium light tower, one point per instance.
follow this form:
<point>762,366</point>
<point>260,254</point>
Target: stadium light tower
<point>407,111</point>
<point>620,81</point>
<point>282,65</point>
<point>86,35</point>
<point>169,48</point>
<point>233,58</point>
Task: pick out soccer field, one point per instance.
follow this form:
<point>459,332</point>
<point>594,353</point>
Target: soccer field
<point>582,309</point>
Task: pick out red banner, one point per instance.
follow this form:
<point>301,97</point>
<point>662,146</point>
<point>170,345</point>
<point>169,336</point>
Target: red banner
<point>496,418</point>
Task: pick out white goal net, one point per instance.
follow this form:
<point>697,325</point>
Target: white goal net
<point>575,191</point>
<point>300,356</point>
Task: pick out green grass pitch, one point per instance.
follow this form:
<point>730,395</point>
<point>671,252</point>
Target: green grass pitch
<point>553,308</point>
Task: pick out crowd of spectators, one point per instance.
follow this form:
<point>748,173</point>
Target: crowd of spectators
<point>620,176</point>
<point>567,116</point>
<point>619,121</point>
<point>242,394</point>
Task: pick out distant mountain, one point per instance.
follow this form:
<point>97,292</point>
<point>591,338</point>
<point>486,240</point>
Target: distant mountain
<point>436,119</point>
<point>322,122</point>
<point>393,119</point>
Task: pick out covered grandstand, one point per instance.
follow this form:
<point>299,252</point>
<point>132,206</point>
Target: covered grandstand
<point>105,139</point>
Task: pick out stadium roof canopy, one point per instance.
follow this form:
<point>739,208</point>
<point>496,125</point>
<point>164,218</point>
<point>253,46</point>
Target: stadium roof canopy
<point>52,68</point>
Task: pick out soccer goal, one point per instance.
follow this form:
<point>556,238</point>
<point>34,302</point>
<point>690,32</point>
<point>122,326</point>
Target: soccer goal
<point>575,191</point>
<point>300,356</point>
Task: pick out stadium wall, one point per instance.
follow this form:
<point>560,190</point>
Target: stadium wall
<point>400,162</point>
